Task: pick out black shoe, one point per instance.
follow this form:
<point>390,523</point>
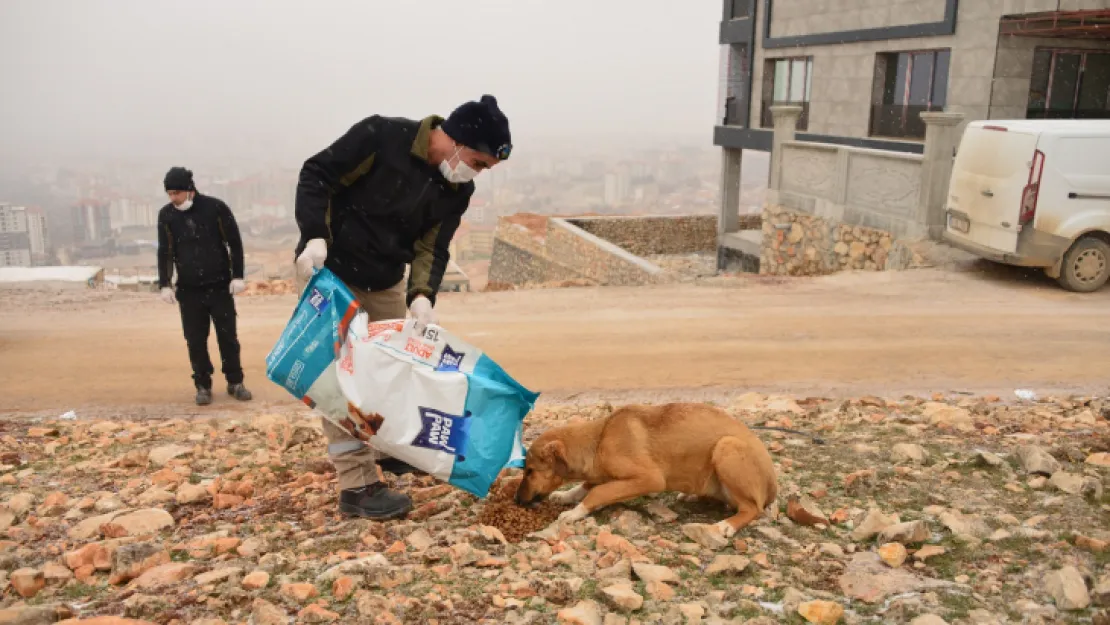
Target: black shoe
<point>398,467</point>
<point>375,501</point>
<point>204,396</point>
<point>238,391</point>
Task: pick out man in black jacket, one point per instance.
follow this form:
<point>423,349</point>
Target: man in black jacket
<point>198,236</point>
<point>391,192</point>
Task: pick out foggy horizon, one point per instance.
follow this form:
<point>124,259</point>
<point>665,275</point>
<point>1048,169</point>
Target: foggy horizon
<point>273,82</point>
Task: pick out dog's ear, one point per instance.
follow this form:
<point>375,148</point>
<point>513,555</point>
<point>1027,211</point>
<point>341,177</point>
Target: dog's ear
<point>556,452</point>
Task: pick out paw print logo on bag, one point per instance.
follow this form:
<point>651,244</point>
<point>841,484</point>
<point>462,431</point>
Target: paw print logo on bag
<point>450,360</point>
<point>443,432</point>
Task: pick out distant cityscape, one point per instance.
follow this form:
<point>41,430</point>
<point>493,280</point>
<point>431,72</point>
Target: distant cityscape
<point>76,216</point>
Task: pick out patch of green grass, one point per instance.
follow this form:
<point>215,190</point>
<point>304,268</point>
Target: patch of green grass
<point>951,563</point>
<point>472,591</point>
<point>867,609</point>
<point>1018,545</point>
<point>747,612</point>
<point>588,589</point>
<point>721,582</point>
<point>958,604</point>
<point>80,590</point>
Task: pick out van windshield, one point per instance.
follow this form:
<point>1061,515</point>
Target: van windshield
<point>995,154</point>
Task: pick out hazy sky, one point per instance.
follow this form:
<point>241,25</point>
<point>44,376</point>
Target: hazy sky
<point>141,79</point>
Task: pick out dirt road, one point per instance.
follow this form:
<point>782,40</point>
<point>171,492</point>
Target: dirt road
<point>920,331</point>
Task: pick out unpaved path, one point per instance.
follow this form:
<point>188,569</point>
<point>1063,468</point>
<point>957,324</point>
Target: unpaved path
<point>921,331</point>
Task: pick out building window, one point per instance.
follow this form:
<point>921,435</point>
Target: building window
<point>738,9</point>
<point>734,80</point>
<point>906,85</point>
<point>787,81</point>
<point>1069,84</point>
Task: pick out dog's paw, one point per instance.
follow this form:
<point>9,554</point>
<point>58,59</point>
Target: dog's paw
<point>726,529</point>
<point>576,513</point>
<point>560,498</point>
<point>567,497</point>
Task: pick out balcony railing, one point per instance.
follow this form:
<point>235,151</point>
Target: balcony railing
<point>734,116</point>
<point>900,121</point>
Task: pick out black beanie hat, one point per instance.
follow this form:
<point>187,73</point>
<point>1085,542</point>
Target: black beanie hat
<point>179,179</point>
<point>481,126</point>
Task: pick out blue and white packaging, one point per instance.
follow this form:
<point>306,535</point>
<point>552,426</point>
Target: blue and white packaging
<point>428,398</point>
<point>304,356</point>
<point>439,403</point>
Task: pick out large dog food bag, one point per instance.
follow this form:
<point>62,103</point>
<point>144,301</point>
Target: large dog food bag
<point>428,398</point>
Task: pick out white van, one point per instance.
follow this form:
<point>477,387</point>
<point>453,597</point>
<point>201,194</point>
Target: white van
<point>1035,193</point>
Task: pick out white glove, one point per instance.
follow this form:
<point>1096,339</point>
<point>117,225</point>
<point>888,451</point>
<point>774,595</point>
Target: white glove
<point>313,257</point>
<point>237,287</point>
<point>168,296</point>
<point>421,309</point>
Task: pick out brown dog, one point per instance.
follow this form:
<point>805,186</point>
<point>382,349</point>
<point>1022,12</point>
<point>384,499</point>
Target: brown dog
<point>689,448</point>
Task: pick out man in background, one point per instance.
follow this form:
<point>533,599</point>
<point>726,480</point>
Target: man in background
<point>198,236</point>
<point>391,192</point>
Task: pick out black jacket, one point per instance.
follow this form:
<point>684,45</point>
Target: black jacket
<point>202,243</point>
<point>373,196</point>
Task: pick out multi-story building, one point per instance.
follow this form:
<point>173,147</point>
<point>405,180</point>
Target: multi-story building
<point>15,244</point>
<point>38,234</point>
<point>863,71</point>
<point>92,221</point>
<point>131,213</point>
<point>618,186</point>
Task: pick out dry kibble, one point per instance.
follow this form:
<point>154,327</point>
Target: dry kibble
<point>514,521</point>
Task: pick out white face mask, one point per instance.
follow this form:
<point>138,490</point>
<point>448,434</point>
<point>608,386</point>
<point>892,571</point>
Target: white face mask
<point>184,206</point>
<point>460,173</point>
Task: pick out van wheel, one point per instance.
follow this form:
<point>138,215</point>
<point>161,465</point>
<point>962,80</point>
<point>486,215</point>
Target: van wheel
<point>1086,265</point>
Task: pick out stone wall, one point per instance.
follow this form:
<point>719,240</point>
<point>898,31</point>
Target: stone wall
<point>595,258</point>
<point>510,264</point>
<point>534,250</point>
<point>800,244</point>
<point>854,186</point>
<point>643,236</point>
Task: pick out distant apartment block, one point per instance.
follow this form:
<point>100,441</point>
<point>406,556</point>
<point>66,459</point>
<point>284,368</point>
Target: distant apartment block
<point>15,243</point>
<point>92,221</point>
<point>863,71</point>
<point>130,213</point>
<point>38,232</point>
<point>618,187</point>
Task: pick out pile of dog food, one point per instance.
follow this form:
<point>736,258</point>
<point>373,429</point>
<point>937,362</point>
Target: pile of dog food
<point>515,522</point>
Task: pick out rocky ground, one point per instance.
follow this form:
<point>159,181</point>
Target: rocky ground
<point>948,510</point>
<point>686,267</point>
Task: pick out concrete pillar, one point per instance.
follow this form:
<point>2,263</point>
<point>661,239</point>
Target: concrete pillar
<point>728,216</point>
<point>786,124</point>
<point>942,135</point>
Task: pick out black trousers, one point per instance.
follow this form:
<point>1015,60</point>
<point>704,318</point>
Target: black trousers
<point>200,309</point>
